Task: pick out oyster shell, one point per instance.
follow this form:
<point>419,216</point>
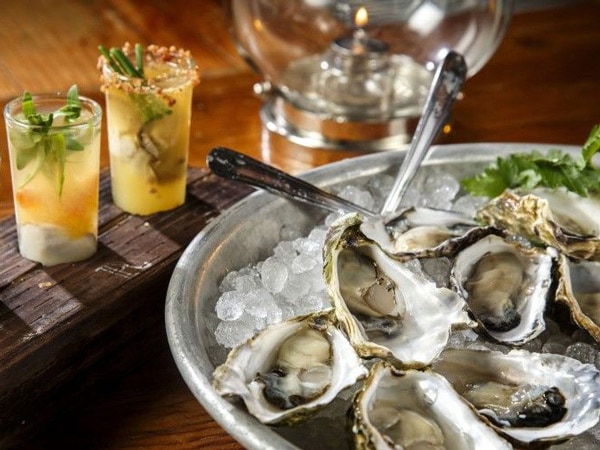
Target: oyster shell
<point>386,309</point>
<point>554,217</point>
<point>425,231</point>
<point>291,369</point>
<point>416,409</point>
<point>531,398</point>
<point>506,285</point>
<point>579,288</point>
<point>421,232</point>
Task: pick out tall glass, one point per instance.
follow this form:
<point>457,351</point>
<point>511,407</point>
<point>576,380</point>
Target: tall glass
<point>55,168</point>
<point>148,124</point>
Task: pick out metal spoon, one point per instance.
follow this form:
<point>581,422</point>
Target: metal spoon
<point>447,82</point>
<point>233,165</point>
<point>236,166</point>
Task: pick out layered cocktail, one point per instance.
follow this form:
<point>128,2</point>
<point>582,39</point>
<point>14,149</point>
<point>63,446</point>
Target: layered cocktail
<point>54,149</point>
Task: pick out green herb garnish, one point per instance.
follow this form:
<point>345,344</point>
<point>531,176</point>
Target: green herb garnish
<point>150,107</point>
<point>529,170</point>
<point>41,142</point>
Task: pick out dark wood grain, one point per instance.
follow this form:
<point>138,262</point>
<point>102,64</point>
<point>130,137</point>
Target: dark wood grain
<point>541,86</point>
<point>70,326</point>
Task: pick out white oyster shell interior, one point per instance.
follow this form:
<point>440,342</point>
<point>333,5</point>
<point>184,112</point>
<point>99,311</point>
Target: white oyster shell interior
<point>516,287</point>
<point>417,409</point>
<point>579,288</point>
<point>573,213</point>
<point>532,374</point>
<point>247,367</point>
<point>367,285</point>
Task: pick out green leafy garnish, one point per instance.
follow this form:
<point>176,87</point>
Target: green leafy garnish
<point>43,144</point>
<point>529,170</point>
<point>150,107</point>
<point>591,145</point>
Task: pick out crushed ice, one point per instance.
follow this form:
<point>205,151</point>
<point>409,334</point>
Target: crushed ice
<point>289,282</point>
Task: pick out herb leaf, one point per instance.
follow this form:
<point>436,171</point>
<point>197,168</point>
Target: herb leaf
<point>33,117</point>
<point>591,145</point>
<point>72,109</point>
<point>58,150</point>
<point>150,107</point>
<point>530,170</point>
<point>42,144</point>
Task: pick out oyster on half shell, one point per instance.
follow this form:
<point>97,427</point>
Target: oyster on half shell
<point>579,288</point>
<point>530,398</point>
<point>290,370</point>
<point>555,217</point>
<point>416,410</point>
<point>386,309</point>
<point>506,285</point>
<point>420,232</point>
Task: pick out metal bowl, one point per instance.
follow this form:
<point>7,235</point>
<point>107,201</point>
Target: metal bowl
<point>245,234</point>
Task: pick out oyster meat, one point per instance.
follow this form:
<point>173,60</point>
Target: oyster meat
<point>386,309</point>
<point>291,369</point>
<point>506,285</point>
<point>416,410</point>
<point>579,288</point>
<point>531,398</point>
<point>555,217</point>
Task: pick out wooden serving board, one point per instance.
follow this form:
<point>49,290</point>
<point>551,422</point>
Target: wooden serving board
<point>66,328</point>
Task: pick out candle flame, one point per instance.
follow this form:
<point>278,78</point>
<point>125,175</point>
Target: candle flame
<point>361,17</point>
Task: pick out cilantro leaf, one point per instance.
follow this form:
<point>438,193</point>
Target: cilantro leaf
<point>490,183</point>
<point>530,170</point>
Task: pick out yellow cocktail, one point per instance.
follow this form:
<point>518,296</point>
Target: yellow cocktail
<point>148,115</point>
<point>54,149</point>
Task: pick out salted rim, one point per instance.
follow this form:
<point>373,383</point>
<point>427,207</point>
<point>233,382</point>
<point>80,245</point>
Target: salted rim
<point>176,58</point>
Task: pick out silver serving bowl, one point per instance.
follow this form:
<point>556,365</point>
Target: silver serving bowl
<point>245,234</point>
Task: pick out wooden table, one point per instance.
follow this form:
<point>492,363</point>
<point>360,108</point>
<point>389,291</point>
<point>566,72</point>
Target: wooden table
<point>541,86</point>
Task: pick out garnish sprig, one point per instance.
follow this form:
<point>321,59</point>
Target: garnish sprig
<point>150,107</point>
<point>120,63</point>
<point>44,145</point>
<point>530,170</point>
<point>591,145</point>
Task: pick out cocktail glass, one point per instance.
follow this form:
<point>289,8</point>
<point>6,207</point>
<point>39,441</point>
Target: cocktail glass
<point>55,167</point>
<point>148,120</point>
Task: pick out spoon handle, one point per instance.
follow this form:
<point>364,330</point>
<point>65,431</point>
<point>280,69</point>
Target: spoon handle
<point>447,82</point>
<point>236,166</point>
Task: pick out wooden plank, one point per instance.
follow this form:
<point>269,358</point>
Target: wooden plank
<point>68,327</point>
